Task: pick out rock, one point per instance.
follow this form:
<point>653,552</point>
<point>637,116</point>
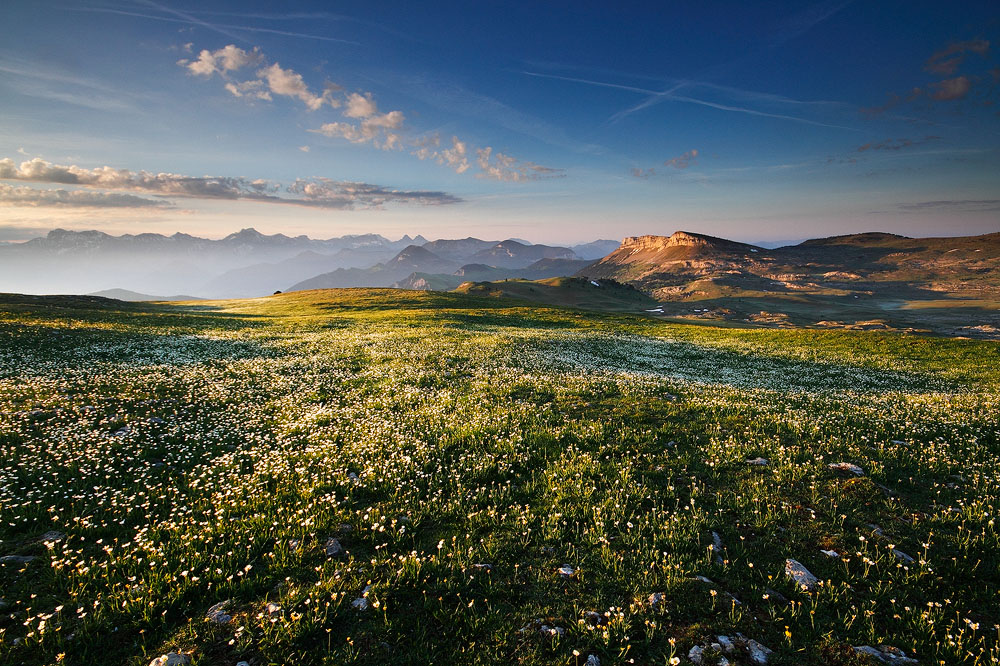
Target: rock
<point>702,579</point>
<point>546,630</point>
<point>726,644</point>
<point>272,609</point>
<point>243,663</point>
<point>156,420</point>
<point>758,653</point>
<point>566,571</point>
<point>294,545</point>
<point>333,548</point>
<point>900,555</point>
<point>716,543</point>
<point>657,599</point>
<point>595,619</point>
<point>353,478</point>
<point>758,462</point>
<point>360,603</point>
<point>218,614</point>
<point>52,536</point>
<point>171,659</point>
<point>696,654</point>
<point>483,567</point>
<point>847,467</point>
<point>885,654</point>
<point>830,553</point>
<point>17,559</point>
<point>775,597</point>
<point>346,528</point>
<point>802,576</point>
<point>592,660</point>
<point>723,661</point>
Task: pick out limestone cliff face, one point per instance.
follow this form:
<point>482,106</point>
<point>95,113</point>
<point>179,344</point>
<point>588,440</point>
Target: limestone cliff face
<point>678,238</point>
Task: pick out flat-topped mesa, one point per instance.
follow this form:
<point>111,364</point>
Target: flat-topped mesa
<point>677,239</point>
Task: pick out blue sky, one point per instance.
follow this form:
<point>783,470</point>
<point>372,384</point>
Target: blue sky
<point>555,122</point>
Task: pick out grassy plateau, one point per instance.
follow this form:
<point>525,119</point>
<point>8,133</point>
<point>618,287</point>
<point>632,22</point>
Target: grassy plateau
<point>393,477</point>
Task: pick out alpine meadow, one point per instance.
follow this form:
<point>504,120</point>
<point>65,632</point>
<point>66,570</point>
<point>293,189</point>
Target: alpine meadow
<point>588,335</point>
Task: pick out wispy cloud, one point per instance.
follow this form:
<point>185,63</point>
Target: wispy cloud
<point>670,94</point>
<point>896,144</point>
<point>682,161</point>
<point>964,205</point>
<point>314,192</point>
<point>361,121</point>
<point>947,60</point>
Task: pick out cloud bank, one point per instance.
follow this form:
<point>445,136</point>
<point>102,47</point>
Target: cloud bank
<point>316,192</point>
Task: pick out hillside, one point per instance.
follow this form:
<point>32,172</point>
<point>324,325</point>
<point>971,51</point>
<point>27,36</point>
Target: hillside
<point>874,279</point>
<point>372,476</point>
<point>607,295</point>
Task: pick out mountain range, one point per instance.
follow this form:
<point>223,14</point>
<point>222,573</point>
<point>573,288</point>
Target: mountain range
<point>249,263</point>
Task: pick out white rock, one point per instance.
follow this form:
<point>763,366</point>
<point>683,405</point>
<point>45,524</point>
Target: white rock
<point>758,462</point>
<point>716,543</point>
<point>566,571</point>
<point>17,559</point>
<point>802,576</point>
<point>726,643</point>
<point>696,654</point>
<point>218,614</point>
<point>656,599</point>
<point>592,660</point>
<point>847,467</point>
<point>360,603</point>
<point>885,654</point>
<point>758,653</point>
<point>171,659</point>
<point>900,555</point>
<point>333,548</point>
<point>830,553</point>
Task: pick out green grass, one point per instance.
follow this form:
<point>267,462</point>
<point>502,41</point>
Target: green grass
<point>203,452</point>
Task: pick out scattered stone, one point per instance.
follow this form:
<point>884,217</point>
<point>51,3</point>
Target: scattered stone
<point>272,609</point>
<point>483,567</point>
<point>847,467</point>
<point>802,576</point>
<point>294,545</point>
<point>696,654</point>
<point>900,555</point>
<point>716,543</point>
<point>592,660</point>
<point>656,599</point>
<point>758,462</point>
<point>775,597</point>
<point>171,659</point>
<point>156,420</point>
<point>218,614</point>
<point>52,536</point>
<point>333,548</point>
<point>121,432</point>
<point>361,603</point>
<point>758,653</point>
<point>546,630</point>
<point>830,553</point>
<point>723,661</point>
<point>17,559</point>
<point>346,528</point>
<point>595,619</point>
<point>353,478</point>
<point>243,663</point>
<point>566,571</point>
<point>885,654</point>
<point>876,530</point>
<point>726,644</point>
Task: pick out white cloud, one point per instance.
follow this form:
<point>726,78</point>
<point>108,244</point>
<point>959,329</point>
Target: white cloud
<point>682,161</point>
<point>498,166</point>
<point>289,83</point>
<point>254,88</point>
<point>360,106</point>
<point>227,59</point>
<point>304,149</point>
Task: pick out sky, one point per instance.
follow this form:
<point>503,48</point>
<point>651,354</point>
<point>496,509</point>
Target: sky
<point>555,122</point>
